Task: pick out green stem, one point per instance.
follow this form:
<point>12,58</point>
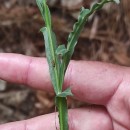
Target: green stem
<point>61,103</point>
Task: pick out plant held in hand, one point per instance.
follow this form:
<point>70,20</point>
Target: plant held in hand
<point>58,57</point>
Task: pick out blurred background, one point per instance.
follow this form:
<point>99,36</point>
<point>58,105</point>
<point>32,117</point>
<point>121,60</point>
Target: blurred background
<point>105,38</point>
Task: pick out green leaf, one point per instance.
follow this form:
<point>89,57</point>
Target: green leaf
<point>45,12</point>
<point>40,6</point>
<point>52,60</point>
<point>74,35</point>
<point>78,26</point>
<point>65,93</point>
<point>50,45</point>
<point>61,50</point>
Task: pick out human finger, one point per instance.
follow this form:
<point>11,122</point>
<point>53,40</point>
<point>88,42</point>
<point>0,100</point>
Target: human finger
<point>93,82</point>
<point>79,119</point>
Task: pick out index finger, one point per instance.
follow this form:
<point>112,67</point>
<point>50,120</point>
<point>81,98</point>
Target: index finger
<point>93,82</point>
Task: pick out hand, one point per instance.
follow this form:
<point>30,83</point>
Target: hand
<point>106,85</point>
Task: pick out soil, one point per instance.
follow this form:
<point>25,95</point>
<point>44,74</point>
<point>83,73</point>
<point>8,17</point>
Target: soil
<point>106,38</point>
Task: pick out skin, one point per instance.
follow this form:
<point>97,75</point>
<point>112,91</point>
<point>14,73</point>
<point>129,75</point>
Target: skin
<point>106,85</point>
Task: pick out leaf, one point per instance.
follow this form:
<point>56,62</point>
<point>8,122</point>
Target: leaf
<point>45,12</point>
<point>78,26</point>
<point>65,93</point>
<point>51,58</point>
<point>61,50</point>
<point>74,35</point>
<point>50,45</point>
<point>40,6</point>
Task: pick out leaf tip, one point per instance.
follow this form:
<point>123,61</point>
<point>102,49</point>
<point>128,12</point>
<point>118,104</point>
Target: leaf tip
<point>43,29</point>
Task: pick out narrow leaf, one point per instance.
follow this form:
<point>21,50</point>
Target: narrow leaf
<point>78,26</point>
<point>44,11</point>
<point>50,48</point>
<point>40,6</point>
<point>74,35</point>
<point>61,50</point>
<point>50,44</point>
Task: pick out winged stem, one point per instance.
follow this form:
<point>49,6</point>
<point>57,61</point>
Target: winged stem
<point>59,57</point>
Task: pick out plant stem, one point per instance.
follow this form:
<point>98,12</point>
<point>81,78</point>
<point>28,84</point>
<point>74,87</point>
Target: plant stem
<point>63,112</point>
